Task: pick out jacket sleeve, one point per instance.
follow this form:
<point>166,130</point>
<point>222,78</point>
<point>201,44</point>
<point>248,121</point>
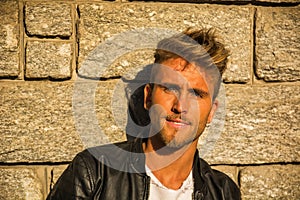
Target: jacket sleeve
<point>76,182</point>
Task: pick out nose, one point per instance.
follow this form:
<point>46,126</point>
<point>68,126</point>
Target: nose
<point>180,104</point>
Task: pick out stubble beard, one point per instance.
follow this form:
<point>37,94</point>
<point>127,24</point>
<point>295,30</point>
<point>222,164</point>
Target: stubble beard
<point>177,140</point>
<point>180,138</point>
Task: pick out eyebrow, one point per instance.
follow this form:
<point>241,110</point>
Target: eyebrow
<point>169,85</point>
<point>200,92</point>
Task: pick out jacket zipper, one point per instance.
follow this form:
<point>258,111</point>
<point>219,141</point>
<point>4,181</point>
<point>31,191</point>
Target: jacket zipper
<point>146,190</point>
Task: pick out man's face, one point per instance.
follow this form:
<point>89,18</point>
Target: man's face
<point>179,103</point>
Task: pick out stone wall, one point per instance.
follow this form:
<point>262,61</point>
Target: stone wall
<point>43,45</point>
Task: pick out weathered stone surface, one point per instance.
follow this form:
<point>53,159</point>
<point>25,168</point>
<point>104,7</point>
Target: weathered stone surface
<point>277,44</point>
<point>100,21</point>
<point>47,59</point>
<point>270,182</point>
<point>9,36</point>
<point>231,171</point>
<point>20,183</point>
<point>99,113</point>
<point>127,65</point>
<point>262,125</point>
<point>48,19</point>
<point>38,123</point>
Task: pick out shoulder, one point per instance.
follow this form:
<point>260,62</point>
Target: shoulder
<point>98,153</point>
<point>117,156</point>
<point>86,171</point>
<point>113,151</point>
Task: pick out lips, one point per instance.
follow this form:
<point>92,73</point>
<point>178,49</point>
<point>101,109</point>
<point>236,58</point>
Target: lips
<point>177,122</point>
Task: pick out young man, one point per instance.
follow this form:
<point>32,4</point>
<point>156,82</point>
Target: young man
<point>180,101</point>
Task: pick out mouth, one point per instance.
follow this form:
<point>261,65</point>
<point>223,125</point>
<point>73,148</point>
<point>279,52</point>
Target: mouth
<point>177,122</point>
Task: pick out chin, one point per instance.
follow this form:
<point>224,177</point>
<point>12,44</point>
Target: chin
<point>175,144</point>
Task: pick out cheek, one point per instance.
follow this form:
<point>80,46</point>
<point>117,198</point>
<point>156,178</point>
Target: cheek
<point>156,111</point>
<point>164,100</point>
<point>200,109</point>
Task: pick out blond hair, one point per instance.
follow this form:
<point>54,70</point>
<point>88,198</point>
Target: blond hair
<point>200,47</point>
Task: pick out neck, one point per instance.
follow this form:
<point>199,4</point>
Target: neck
<point>171,168</point>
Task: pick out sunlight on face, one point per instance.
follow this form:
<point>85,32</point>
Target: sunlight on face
<point>179,103</point>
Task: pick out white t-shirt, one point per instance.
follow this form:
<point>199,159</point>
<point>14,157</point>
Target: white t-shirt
<point>159,192</point>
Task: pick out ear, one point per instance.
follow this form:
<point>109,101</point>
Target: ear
<point>213,111</point>
<point>147,96</point>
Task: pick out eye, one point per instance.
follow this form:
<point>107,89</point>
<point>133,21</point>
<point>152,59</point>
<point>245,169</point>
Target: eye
<point>170,89</point>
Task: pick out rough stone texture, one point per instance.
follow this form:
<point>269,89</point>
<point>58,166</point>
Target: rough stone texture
<point>20,183</point>
<point>231,171</point>
<point>270,182</point>
<point>126,66</point>
<point>262,125</point>
<point>9,36</point>
<point>36,122</point>
<point>40,115</point>
<point>277,44</point>
<point>100,21</point>
<point>48,19</point>
<point>97,112</point>
<point>47,59</point>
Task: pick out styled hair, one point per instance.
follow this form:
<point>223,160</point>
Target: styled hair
<point>200,47</point>
<point>187,44</point>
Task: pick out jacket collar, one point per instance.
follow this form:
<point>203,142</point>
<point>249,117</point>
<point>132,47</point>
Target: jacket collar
<point>199,169</point>
<point>137,157</point>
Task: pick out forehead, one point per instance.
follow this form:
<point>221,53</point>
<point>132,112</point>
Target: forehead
<point>180,73</point>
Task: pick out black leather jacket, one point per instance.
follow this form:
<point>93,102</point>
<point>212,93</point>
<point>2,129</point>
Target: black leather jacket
<point>117,172</point>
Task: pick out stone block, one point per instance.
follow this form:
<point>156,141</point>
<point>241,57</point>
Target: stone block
<point>9,39</point>
<point>261,125</point>
<point>38,122</point>
<point>48,59</point>
<point>48,19</point>
<point>230,171</point>
<point>20,183</point>
<point>100,21</point>
<point>270,182</point>
<point>277,44</point>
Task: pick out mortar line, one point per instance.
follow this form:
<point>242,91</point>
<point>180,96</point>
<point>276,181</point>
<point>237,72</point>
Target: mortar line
<point>205,2</point>
<point>49,164</point>
<point>258,164</point>
<point>21,48</point>
<point>253,46</point>
<point>74,41</point>
<point>45,183</point>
